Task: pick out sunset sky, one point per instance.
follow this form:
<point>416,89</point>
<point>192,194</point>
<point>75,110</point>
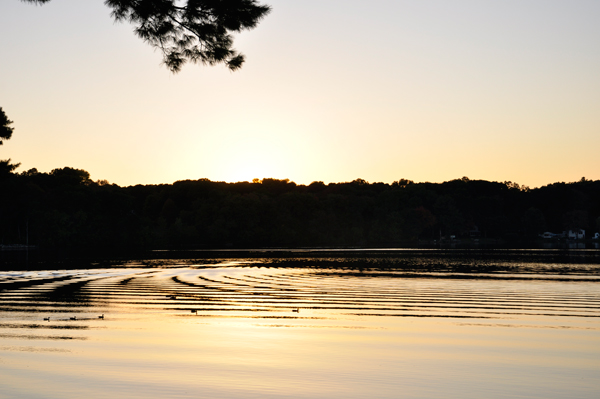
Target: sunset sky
<point>331,90</point>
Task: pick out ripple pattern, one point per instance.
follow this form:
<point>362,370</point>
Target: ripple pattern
<point>297,293</point>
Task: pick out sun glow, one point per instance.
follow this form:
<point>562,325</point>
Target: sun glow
<point>247,170</point>
<point>253,159</point>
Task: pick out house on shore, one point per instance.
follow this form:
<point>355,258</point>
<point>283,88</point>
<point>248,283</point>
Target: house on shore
<point>577,234</point>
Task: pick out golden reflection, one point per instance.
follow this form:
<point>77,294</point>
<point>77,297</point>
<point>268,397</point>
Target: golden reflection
<point>352,336</point>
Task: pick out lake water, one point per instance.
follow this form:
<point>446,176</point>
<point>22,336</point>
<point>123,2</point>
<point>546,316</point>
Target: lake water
<point>406,326</point>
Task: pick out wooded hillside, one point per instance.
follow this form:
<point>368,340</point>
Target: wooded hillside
<point>66,209</point>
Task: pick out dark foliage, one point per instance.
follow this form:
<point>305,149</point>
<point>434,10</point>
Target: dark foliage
<point>198,31</point>
<point>66,209</point>
<point>5,129</point>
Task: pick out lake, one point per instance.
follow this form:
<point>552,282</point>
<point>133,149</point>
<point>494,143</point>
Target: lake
<point>376,324</point>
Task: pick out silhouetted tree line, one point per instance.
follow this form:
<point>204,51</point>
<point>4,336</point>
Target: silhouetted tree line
<point>66,209</point>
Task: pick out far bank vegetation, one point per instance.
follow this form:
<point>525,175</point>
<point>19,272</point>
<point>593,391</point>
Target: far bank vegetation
<point>66,209</point>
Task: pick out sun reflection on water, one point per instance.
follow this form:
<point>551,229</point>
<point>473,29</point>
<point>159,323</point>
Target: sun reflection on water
<point>239,331</point>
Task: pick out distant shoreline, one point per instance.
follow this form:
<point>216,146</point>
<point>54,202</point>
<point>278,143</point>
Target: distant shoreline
<point>284,257</point>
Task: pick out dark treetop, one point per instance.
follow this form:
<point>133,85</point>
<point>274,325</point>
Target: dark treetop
<point>5,129</point>
<point>197,31</point>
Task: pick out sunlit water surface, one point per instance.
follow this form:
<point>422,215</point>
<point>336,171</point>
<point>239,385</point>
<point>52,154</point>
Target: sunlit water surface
<point>236,330</point>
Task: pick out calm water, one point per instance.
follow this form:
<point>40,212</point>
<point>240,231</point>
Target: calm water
<point>415,327</point>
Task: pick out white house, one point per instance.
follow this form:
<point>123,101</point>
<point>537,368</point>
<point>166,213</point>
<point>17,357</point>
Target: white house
<point>577,234</point>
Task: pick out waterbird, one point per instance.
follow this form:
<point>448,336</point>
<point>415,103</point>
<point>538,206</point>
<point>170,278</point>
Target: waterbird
<point>46,318</point>
<point>171,297</point>
<point>194,311</point>
<point>101,317</point>
<point>297,310</point>
<point>73,318</point>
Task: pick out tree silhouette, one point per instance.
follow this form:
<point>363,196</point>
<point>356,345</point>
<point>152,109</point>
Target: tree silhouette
<point>5,129</point>
<point>197,31</point>
<point>6,168</point>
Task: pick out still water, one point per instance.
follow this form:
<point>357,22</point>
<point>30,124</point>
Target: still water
<point>407,327</point>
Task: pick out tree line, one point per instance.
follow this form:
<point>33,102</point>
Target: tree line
<point>66,209</point>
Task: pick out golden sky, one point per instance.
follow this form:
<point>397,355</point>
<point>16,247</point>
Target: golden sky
<point>331,90</point>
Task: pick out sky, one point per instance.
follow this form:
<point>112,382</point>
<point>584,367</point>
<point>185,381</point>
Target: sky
<point>332,91</point>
